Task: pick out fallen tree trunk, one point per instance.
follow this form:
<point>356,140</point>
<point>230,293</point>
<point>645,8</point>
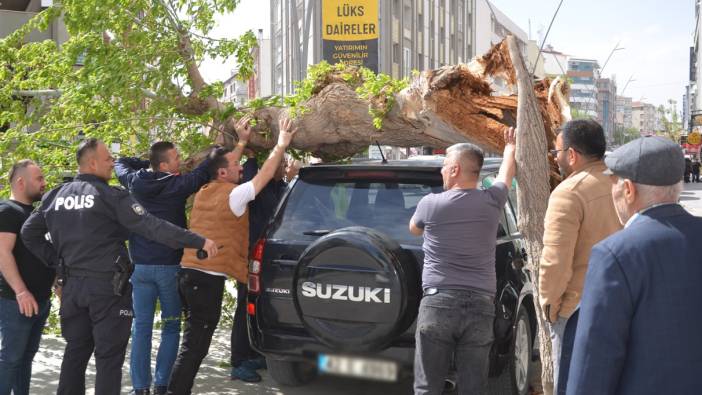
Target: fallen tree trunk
<point>453,104</point>
<point>533,193</point>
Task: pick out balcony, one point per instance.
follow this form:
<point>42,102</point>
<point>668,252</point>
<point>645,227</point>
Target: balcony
<point>12,20</point>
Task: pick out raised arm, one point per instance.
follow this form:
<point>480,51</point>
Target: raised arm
<point>126,168</point>
<point>265,175</point>
<point>509,164</point>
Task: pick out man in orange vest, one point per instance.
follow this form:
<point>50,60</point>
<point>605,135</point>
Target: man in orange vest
<point>219,213</point>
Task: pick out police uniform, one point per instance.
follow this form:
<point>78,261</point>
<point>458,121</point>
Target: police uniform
<point>88,222</point>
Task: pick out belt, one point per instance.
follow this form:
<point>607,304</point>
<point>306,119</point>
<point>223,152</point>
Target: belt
<point>89,274</point>
<point>433,291</point>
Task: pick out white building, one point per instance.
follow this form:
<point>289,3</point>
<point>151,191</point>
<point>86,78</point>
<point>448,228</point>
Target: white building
<point>260,84</point>
<point>555,63</point>
<point>643,117</point>
<point>492,26</point>
<point>623,116</point>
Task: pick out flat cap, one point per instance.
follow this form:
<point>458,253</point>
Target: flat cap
<point>650,160</point>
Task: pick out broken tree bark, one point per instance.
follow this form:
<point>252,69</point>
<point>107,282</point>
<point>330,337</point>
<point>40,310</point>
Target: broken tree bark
<point>440,107</point>
<point>532,175</point>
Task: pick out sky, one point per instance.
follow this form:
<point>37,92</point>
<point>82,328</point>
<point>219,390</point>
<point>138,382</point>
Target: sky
<point>656,36</point>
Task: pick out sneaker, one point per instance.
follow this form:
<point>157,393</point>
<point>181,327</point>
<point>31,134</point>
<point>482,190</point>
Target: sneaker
<point>160,390</point>
<point>141,392</point>
<point>257,363</point>
<point>245,374</point>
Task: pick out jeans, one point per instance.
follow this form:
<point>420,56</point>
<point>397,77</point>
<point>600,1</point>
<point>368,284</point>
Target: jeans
<point>456,323</point>
<point>201,295</point>
<point>240,345</point>
<point>567,345</point>
<point>19,341</point>
<point>149,283</point>
<point>94,319</point>
<point>556,331</point>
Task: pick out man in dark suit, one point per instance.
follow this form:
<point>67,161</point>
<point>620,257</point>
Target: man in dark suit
<point>638,330</point>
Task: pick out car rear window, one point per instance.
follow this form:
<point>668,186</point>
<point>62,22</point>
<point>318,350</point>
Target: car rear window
<point>319,205</point>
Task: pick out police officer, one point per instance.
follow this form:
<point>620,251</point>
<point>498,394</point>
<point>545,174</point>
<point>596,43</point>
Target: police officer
<point>88,222</point>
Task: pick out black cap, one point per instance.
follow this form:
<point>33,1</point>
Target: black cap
<point>650,160</point>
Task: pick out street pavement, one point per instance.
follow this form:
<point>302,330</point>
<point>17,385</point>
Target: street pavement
<point>691,198</point>
<point>213,377</point>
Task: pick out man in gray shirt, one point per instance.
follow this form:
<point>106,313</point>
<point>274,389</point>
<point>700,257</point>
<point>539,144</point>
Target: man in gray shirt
<point>457,311</point>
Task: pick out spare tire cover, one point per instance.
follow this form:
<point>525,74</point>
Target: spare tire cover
<point>356,289</point>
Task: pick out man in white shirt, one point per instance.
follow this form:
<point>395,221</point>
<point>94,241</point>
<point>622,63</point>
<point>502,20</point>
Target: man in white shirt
<point>220,212</point>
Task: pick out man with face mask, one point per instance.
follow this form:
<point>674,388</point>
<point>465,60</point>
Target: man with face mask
<point>25,282</point>
<point>638,331</point>
<point>580,213</point>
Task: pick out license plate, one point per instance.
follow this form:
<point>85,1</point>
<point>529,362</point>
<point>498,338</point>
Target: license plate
<point>366,368</point>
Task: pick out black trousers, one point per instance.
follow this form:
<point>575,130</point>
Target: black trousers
<point>241,347</point>
<point>93,319</point>
<point>201,295</point>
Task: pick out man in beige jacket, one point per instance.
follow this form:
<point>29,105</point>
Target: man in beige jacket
<point>580,213</point>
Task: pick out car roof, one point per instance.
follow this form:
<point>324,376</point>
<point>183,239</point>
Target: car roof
<point>429,163</point>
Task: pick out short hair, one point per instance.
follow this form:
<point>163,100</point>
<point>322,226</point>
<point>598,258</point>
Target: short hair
<point>157,153</point>
<point>653,194</point>
<point>218,160</point>
<point>85,147</point>
<point>18,167</point>
<point>585,136</point>
<point>467,153</point>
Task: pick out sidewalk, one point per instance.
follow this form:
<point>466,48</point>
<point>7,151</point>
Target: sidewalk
<point>691,198</point>
<point>212,379</point>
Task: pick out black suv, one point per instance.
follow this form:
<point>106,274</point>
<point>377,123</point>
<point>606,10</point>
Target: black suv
<point>335,282</point>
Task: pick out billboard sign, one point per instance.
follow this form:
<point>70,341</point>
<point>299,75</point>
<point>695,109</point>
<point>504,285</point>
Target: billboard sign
<point>350,32</point>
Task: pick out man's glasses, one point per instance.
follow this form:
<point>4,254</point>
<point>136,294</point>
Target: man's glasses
<point>555,152</point>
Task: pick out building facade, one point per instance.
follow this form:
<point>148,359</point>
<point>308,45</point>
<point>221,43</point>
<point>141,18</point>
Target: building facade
<point>643,117</point>
<point>686,110</point>
<point>623,113</point>
<point>259,84</point>
<point>555,63</point>
<point>583,74</point>
<point>15,13</point>
<point>606,105</point>
<point>492,26</point>
<point>695,86</point>
<point>413,35</point>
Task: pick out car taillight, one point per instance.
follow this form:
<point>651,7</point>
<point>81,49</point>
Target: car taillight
<point>257,253</point>
<point>254,283</point>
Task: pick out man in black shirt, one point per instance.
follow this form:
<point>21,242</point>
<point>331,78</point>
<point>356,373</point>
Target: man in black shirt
<point>25,283</point>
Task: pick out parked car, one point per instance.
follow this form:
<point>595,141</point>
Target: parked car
<point>335,282</point>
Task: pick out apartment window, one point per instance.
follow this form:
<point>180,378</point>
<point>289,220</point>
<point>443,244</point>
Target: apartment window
<point>420,62</point>
<point>407,59</point>
<point>459,16</point>
<point>442,34</point>
<point>420,22</point>
<point>396,53</point>
<point>396,7</point>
